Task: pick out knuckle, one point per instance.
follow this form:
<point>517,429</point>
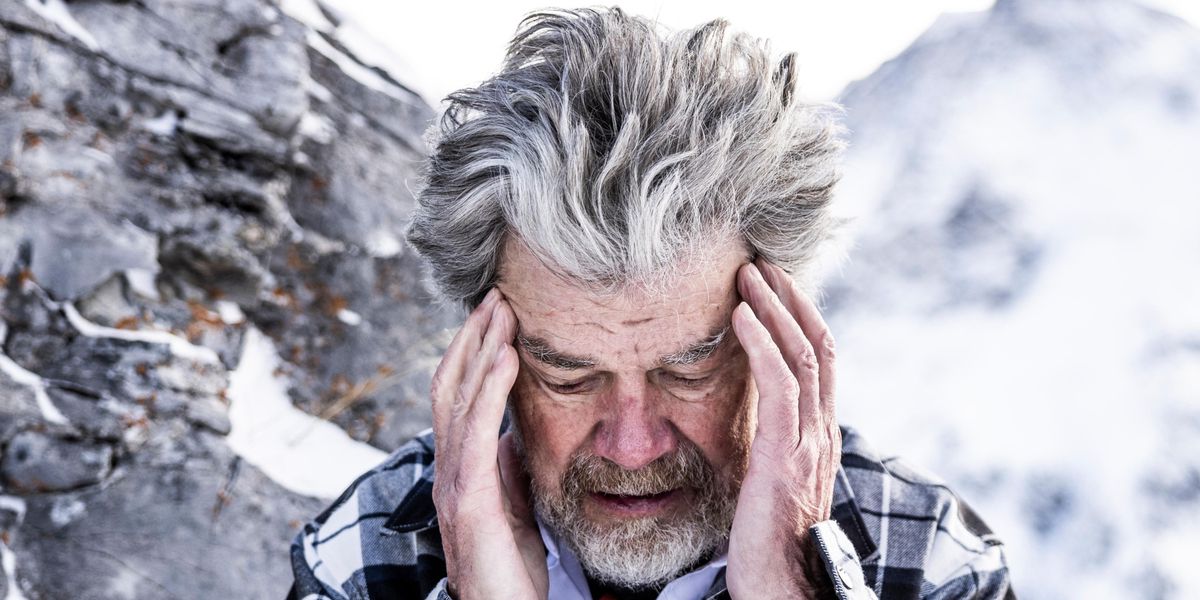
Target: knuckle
<point>806,361</point>
<point>828,346</point>
<point>438,382</point>
<point>443,382</point>
<point>462,398</point>
<point>807,454</point>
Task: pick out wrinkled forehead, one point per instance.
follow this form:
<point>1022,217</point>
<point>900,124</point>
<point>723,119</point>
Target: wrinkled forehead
<point>633,323</point>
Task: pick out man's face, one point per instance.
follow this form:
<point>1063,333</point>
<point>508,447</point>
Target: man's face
<point>635,411</point>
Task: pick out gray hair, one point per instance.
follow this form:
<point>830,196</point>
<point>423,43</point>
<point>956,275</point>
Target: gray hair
<point>614,152</point>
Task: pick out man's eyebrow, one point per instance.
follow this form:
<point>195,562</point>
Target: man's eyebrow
<point>696,352</point>
<point>541,350</point>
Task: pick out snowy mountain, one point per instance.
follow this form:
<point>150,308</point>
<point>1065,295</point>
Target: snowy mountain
<point>1019,312</point>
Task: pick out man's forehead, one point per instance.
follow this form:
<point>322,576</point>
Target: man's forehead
<point>562,314</point>
<point>578,339</point>
<point>687,353</point>
<point>562,319</point>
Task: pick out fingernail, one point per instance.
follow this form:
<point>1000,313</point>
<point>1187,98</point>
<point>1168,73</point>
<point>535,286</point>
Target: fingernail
<point>491,296</point>
<point>742,307</point>
<point>743,285</point>
<point>757,280</point>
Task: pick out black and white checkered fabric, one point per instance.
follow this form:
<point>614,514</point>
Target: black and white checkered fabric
<point>895,534</point>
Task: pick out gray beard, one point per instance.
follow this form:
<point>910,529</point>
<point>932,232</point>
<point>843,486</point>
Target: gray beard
<point>637,553</point>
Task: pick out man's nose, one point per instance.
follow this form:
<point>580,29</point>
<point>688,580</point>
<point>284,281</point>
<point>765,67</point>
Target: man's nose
<point>632,431</point>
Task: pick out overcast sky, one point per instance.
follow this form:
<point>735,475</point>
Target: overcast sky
<point>448,45</point>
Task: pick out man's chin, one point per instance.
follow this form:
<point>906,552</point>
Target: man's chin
<point>638,552</point>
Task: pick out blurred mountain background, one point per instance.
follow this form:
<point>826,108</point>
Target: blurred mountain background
<point>1019,314</point>
<point>211,324</point>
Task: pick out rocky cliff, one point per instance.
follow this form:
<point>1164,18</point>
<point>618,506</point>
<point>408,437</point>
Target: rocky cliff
<point>178,179</point>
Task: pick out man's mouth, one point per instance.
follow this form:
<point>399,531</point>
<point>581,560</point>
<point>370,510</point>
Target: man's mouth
<point>634,506</point>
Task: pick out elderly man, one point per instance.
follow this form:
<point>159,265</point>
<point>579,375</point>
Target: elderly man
<point>632,221</point>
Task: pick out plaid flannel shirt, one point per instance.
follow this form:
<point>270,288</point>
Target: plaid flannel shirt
<point>894,534</point>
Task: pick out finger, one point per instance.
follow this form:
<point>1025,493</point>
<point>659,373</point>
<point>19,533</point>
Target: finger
<point>515,480</point>
<point>500,324</point>
<point>787,334</point>
<point>813,324</point>
<point>482,421</point>
<point>771,312</point>
<point>778,412</point>
<point>449,373</point>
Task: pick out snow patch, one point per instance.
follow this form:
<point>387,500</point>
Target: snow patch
<point>356,70</point>
<point>65,510</point>
<point>99,156</point>
<point>231,313</point>
<point>367,48</point>
<point>382,244</point>
<point>349,317</point>
<point>302,453</point>
<point>141,282</point>
<point>14,505</point>
<point>30,379</point>
<point>8,559</point>
<point>317,127</point>
<point>318,91</point>
<point>178,346</point>
<point>307,12</point>
<point>56,12</point>
<point>163,125</point>
<point>359,42</point>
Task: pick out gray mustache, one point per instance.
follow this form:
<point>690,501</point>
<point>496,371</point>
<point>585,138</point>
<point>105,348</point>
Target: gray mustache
<point>686,467</point>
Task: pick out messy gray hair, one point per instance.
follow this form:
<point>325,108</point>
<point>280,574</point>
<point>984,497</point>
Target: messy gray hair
<point>613,152</point>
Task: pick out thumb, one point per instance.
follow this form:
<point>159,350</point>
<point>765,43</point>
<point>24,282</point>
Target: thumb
<point>515,481</point>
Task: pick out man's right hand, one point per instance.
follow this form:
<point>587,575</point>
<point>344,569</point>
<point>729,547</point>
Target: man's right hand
<point>491,541</point>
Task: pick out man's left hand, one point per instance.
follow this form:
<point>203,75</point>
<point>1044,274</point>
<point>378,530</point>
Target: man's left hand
<point>796,450</point>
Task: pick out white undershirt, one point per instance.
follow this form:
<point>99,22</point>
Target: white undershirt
<point>567,581</point>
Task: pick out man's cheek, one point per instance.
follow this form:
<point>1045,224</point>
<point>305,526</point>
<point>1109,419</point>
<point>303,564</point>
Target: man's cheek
<point>545,433</point>
<point>740,421</point>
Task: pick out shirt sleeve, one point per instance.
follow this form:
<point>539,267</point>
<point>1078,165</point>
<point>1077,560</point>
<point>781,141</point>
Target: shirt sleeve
<point>983,577</point>
<point>307,581</point>
<point>978,575</point>
<point>841,562</point>
<point>439,592</point>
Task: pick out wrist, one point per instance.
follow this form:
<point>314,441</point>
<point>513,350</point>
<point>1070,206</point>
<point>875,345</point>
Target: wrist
<point>799,572</point>
<point>816,582</point>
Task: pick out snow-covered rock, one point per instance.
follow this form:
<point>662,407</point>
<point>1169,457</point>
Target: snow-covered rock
<point>208,325</point>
